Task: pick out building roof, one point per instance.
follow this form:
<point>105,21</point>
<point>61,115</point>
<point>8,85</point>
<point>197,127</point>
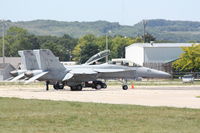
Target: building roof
<point>156,45</point>
<point>15,61</point>
<point>4,65</point>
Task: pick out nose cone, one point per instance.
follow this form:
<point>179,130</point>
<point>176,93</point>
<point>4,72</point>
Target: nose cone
<point>152,73</point>
<point>160,74</point>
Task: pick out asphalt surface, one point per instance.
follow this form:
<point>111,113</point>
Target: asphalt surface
<point>171,96</point>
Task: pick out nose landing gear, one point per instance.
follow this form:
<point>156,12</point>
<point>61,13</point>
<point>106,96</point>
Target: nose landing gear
<point>125,87</point>
<point>124,84</point>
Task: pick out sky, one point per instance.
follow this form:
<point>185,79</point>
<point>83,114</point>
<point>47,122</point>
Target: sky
<point>126,12</point>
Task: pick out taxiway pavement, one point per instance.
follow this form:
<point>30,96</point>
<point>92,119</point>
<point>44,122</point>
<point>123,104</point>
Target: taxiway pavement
<point>171,96</point>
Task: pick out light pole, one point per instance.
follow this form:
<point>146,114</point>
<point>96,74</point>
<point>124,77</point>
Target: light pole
<point>70,55</point>
<point>144,22</point>
<point>107,43</point>
<point>3,45</point>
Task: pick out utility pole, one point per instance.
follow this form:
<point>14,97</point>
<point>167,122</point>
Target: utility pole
<point>144,22</point>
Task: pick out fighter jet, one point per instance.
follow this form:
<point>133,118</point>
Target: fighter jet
<point>48,68</point>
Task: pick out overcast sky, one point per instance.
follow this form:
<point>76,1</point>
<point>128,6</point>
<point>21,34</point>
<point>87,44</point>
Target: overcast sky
<point>126,12</point>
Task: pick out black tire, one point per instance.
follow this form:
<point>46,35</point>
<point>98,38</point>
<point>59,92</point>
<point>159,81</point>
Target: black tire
<point>79,87</point>
<point>56,87</point>
<point>98,87</point>
<point>61,87</point>
<point>125,87</point>
<point>76,88</point>
<point>73,88</point>
<point>104,85</point>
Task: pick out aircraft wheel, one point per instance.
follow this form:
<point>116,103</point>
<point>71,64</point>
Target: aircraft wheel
<point>104,85</point>
<point>56,87</point>
<point>73,88</point>
<point>76,88</point>
<point>98,86</point>
<point>79,87</point>
<point>124,87</point>
<point>61,86</point>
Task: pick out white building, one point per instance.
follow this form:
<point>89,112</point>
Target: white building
<point>154,55</point>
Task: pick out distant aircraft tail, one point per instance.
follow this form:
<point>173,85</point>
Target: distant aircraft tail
<point>28,60</point>
<point>47,60</point>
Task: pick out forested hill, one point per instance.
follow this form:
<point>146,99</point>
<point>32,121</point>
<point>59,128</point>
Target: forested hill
<point>175,31</point>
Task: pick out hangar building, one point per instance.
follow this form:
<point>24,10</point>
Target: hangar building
<point>155,55</point>
<point>5,69</point>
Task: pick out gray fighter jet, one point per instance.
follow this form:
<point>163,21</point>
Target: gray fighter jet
<point>42,65</point>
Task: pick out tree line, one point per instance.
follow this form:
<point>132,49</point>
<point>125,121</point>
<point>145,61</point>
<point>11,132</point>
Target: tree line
<point>65,47</point>
<point>81,49</point>
<point>189,60</point>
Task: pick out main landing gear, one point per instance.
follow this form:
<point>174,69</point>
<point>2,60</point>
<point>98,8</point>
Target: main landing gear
<point>97,84</point>
<point>76,88</point>
<point>58,86</point>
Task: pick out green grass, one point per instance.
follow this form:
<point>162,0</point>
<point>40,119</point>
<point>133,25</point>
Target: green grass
<point>42,116</point>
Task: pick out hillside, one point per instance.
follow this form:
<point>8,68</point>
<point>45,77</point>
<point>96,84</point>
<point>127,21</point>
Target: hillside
<point>175,31</point>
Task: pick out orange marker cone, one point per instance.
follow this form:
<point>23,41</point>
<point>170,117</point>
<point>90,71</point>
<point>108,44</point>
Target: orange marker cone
<point>132,86</point>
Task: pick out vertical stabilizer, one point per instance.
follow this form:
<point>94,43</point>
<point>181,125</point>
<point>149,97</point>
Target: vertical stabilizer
<point>47,60</point>
<point>28,60</point>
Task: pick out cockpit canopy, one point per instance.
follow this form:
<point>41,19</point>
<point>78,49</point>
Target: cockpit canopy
<point>124,63</point>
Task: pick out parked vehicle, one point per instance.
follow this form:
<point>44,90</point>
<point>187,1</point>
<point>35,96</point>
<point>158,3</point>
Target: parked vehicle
<point>97,84</point>
<point>188,79</point>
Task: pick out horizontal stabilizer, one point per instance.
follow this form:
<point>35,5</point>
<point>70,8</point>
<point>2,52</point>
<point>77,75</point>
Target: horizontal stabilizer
<point>68,76</point>
<point>17,77</point>
<point>36,77</point>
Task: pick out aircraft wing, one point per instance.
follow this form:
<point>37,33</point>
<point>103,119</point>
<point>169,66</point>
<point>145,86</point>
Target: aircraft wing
<point>68,76</point>
<point>36,77</point>
<point>83,74</point>
<point>88,73</point>
<point>83,71</point>
<point>116,74</point>
<point>108,70</point>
